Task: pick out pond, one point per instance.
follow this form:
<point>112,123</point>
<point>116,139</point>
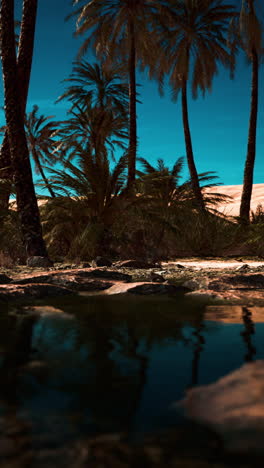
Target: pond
<point>110,364</point>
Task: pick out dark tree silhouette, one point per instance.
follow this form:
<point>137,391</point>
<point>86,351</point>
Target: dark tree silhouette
<point>13,84</point>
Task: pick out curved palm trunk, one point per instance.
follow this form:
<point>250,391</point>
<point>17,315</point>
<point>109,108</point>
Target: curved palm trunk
<point>42,173</point>
<point>24,61</point>
<point>132,109</point>
<point>25,194</point>
<point>189,151</point>
<point>251,147</point>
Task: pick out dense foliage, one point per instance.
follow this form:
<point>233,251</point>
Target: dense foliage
<point>101,197</point>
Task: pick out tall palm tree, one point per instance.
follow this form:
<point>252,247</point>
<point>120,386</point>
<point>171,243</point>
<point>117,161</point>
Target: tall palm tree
<point>251,39</point>
<point>24,60</point>
<point>192,48</point>
<point>41,143</point>
<point>93,85</point>
<point>121,31</point>
<point>14,93</point>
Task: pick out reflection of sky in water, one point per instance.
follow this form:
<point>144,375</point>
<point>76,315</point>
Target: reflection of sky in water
<point>113,379</point>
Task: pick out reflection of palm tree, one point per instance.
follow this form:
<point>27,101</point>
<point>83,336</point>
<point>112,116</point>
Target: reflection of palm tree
<point>246,334</point>
<point>142,376</point>
<point>197,350</point>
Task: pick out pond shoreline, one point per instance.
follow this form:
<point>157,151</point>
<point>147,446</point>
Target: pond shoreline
<point>211,280</point>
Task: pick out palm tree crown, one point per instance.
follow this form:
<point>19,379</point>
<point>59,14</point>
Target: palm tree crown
<point>97,86</point>
<point>194,43</point>
<point>40,131</point>
<point>197,42</point>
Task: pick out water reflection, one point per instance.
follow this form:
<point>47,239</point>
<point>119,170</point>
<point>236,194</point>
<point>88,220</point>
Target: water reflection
<point>197,350</point>
<point>247,334</point>
<point>117,366</point>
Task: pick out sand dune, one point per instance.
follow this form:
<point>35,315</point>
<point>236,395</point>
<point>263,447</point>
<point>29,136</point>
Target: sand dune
<point>232,208</point>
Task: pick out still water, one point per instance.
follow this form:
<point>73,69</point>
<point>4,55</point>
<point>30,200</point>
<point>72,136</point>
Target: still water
<point>110,364</point>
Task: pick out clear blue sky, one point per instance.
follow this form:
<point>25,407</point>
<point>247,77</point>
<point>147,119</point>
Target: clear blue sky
<point>219,122</point>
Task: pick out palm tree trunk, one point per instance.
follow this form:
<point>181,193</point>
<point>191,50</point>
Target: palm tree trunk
<point>251,147</point>
<point>132,109</point>
<point>24,61</point>
<point>189,151</point>
<point>42,173</point>
<point>25,194</point>
<point>5,172</point>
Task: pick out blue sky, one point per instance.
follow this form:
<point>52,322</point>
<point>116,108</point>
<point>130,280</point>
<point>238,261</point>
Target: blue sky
<point>219,122</point>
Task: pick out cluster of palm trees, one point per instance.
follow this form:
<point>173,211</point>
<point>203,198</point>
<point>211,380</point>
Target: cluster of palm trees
<point>181,41</point>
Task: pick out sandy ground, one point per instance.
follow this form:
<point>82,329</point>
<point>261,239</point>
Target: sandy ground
<point>232,208</point>
<point>214,264</point>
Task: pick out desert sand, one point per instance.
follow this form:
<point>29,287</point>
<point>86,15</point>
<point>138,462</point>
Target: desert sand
<point>231,208</point>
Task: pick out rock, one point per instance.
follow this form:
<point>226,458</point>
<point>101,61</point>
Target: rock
<point>203,295</point>
<point>43,311</point>
<point>106,274</point>
<point>247,281</point>
<point>42,278</point>
<point>29,291</point>
<point>63,266</point>
<point>4,279</point>
<point>135,264</point>
<point>233,406</point>
<point>101,262</point>
<point>74,281</point>
<point>86,265</point>
<point>157,278</point>
<point>39,262</point>
<point>142,288</point>
<point>194,283</point>
<point>178,265</point>
<point>244,267</point>
<point>154,288</point>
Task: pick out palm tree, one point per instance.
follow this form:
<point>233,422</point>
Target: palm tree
<point>96,130</point>
<point>14,91</point>
<point>88,139</point>
<point>192,48</point>
<point>97,86</point>
<point>41,143</point>
<point>24,60</point>
<point>252,44</point>
<point>162,198</point>
<point>91,192</point>
<point>121,31</point>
